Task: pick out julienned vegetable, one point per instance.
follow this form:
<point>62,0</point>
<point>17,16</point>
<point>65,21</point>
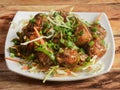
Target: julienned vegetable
<point>50,71</point>
<point>59,44</point>
<point>47,52</point>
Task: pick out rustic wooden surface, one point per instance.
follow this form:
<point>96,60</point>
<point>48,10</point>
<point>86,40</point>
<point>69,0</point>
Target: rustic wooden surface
<point>12,81</point>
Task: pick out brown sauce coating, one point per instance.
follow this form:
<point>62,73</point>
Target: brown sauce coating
<point>83,35</point>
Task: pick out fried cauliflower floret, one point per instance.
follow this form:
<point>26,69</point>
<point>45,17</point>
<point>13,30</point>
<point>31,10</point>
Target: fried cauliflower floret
<point>68,57</point>
<point>98,32</point>
<point>44,59</point>
<point>83,35</point>
<point>96,49</point>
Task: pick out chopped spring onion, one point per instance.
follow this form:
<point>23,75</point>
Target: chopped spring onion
<point>95,35</point>
<point>91,43</point>
<point>94,29</point>
<point>32,20</point>
<point>47,52</point>
<point>88,58</point>
<point>12,55</point>
<point>69,44</point>
<point>102,42</point>
<point>82,50</point>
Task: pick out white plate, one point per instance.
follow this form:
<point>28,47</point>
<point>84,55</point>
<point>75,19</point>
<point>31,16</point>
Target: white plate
<point>107,59</point>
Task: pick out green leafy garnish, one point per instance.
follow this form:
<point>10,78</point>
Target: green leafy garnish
<point>32,20</point>
<point>61,50</point>
<point>95,35</point>
<point>16,41</point>
<point>47,52</point>
<point>18,34</point>
<point>68,24</point>
<point>36,43</point>
<point>56,14</point>
<point>91,43</point>
<point>88,58</point>
<point>74,39</point>
<point>69,33</point>
<point>81,33</point>
<point>13,50</point>
<point>40,32</point>
<point>94,29</point>
<point>31,57</point>
<point>53,46</point>
<point>46,26</point>
<point>12,55</point>
<point>82,50</point>
<point>69,44</point>
<point>102,42</point>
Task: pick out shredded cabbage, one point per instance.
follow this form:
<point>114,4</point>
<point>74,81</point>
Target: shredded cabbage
<point>52,33</point>
<point>58,22</point>
<point>51,70</point>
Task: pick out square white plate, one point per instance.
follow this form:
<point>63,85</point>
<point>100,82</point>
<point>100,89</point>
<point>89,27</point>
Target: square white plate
<point>107,59</point>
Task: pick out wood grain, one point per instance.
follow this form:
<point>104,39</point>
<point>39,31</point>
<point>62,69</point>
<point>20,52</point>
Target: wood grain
<point>12,81</point>
<point>56,2</point>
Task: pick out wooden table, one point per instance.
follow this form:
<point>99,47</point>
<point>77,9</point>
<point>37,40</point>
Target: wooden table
<point>12,81</point>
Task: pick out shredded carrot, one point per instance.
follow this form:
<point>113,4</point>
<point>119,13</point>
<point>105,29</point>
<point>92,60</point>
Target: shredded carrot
<point>68,72</point>
<point>37,32</point>
<point>25,67</point>
<point>41,40</point>
<point>59,75</point>
<point>98,17</point>
<point>34,64</point>
<point>12,59</point>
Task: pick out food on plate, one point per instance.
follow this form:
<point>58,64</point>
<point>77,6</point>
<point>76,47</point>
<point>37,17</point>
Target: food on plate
<point>59,43</point>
